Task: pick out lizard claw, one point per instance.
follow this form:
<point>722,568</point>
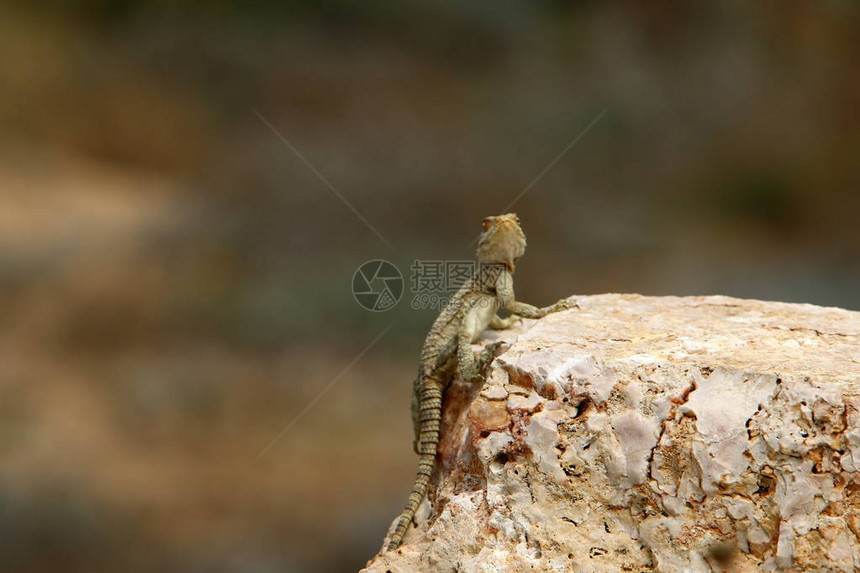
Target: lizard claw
<point>565,304</point>
<point>495,348</point>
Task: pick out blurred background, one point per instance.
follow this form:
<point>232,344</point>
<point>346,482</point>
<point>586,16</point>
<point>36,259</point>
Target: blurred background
<point>175,279</point>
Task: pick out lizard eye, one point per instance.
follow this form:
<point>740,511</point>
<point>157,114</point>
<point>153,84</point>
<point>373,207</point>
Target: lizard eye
<point>487,222</point>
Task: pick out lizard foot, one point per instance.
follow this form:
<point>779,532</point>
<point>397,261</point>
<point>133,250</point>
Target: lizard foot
<point>487,355</point>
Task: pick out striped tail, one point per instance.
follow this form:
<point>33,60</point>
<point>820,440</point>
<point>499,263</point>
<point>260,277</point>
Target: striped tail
<point>428,440</point>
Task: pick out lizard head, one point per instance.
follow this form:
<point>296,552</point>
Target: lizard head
<point>502,241</point>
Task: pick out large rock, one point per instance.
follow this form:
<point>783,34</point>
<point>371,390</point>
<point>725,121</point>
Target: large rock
<point>652,434</point>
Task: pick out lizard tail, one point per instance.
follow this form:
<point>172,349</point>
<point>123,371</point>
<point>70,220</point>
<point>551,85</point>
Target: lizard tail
<point>428,440</point>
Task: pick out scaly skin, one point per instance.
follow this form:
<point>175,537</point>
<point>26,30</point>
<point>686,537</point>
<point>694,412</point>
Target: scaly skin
<point>447,348</point>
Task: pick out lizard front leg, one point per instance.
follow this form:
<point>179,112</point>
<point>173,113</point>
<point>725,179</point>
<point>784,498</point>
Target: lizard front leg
<point>505,294</point>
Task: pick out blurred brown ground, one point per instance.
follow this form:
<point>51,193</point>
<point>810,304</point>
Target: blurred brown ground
<point>174,282</point>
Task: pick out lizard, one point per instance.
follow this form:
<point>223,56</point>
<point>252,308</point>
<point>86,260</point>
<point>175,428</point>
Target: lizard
<point>447,347</point>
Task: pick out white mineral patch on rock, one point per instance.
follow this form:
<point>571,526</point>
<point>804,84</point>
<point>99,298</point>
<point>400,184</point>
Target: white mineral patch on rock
<point>722,403</point>
<point>637,437</point>
<point>654,434</point>
<point>542,436</point>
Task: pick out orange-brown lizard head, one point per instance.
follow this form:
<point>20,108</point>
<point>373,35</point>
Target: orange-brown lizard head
<point>502,241</point>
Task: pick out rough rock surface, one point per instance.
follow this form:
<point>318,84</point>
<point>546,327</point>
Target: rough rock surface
<point>653,434</point>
